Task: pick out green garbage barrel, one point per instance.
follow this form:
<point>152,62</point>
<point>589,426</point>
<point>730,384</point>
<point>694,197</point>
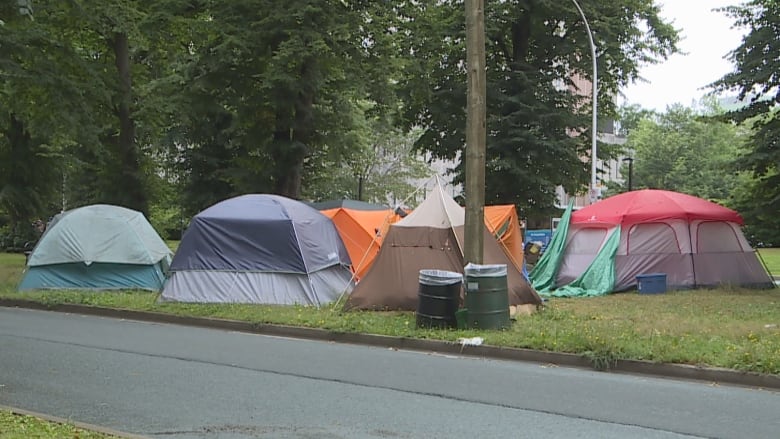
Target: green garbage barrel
<point>438,298</point>
<point>487,300</point>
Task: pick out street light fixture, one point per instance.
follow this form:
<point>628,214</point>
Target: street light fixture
<point>593,182</point>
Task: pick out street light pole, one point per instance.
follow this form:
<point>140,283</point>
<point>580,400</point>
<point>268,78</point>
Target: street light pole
<point>593,182</point>
<point>630,161</point>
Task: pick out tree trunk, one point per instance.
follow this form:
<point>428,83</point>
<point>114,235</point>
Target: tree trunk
<point>292,146</point>
<point>131,194</point>
<point>521,37</point>
<point>17,182</point>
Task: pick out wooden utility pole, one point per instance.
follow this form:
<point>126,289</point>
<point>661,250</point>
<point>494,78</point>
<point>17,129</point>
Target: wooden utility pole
<point>475,131</point>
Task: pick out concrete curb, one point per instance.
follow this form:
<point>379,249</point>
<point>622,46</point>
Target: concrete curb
<point>81,425</point>
<point>680,371</point>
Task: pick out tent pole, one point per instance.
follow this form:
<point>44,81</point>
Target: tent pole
<point>449,216</point>
<point>421,186</point>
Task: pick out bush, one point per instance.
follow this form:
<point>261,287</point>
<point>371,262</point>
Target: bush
<point>17,241</point>
<point>167,221</point>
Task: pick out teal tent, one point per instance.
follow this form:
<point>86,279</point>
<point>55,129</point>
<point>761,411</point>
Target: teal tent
<point>99,247</point>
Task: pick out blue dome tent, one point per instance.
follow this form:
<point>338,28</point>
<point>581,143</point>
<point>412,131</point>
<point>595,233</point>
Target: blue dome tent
<point>259,248</point>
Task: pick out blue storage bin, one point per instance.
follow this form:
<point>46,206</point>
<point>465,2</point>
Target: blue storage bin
<point>652,283</point>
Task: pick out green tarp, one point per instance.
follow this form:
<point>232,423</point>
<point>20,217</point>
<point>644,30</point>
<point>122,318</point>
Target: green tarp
<point>597,280</point>
<point>544,272</point>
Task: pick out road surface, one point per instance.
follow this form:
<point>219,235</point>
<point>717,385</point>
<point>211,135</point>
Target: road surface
<point>168,381</point>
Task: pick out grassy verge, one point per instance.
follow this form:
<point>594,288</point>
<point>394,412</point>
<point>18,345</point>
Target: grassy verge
<point>15,426</point>
<point>731,328</point>
<point>771,257</point>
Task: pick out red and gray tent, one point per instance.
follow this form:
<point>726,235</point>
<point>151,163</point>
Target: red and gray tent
<point>695,242</point>
<point>259,248</point>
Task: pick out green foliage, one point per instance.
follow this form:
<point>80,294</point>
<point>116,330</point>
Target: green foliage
<point>167,221</point>
<point>43,101</point>
<point>27,168</point>
<point>299,98</point>
<point>535,51</point>
<point>17,239</point>
<point>753,199</point>
<point>757,61</point>
<point>274,92</point>
<point>685,150</point>
<point>165,213</point>
<point>87,129</point>
<point>381,167</point>
<point>630,116</point>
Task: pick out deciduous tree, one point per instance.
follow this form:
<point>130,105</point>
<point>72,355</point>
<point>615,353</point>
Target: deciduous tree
<point>686,150</point>
<point>46,96</point>
<point>279,83</point>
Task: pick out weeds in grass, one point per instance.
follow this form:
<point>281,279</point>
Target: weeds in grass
<point>14,425</point>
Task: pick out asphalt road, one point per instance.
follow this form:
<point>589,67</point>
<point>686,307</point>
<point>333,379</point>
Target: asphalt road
<point>169,381</point>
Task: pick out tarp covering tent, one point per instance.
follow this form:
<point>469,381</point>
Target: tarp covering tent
<point>98,247</point>
<point>259,248</point>
<point>362,226</point>
<point>430,237</point>
<point>695,242</point>
<point>546,269</point>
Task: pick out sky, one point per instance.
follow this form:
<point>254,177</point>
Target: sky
<point>706,38</point>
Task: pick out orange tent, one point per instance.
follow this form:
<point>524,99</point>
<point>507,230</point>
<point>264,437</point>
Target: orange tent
<point>503,223</point>
<point>362,232</point>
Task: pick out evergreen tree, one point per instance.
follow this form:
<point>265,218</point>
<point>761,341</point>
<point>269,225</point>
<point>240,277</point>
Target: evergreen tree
<point>755,79</point>
<point>538,120</point>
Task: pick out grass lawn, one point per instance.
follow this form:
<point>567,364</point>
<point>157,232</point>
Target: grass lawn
<point>771,257</point>
<point>731,328</point>
<point>173,245</point>
<point>15,426</point>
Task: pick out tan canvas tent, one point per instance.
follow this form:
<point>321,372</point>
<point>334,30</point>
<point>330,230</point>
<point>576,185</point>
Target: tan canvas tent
<point>431,237</point>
